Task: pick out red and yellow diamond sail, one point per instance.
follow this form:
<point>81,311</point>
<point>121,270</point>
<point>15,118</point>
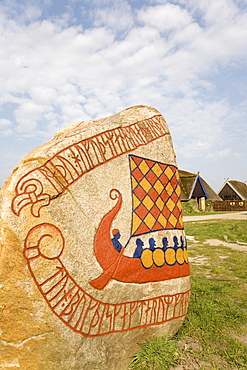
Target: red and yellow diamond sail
<point>156,196</point>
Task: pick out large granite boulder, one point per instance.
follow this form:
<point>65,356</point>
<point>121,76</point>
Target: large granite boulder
<point>93,255</point>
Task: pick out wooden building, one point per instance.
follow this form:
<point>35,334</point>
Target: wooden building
<point>193,186</point>
<point>233,190</point>
<point>234,196</point>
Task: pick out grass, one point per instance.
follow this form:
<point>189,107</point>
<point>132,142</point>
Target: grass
<point>230,230</point>
<point>191,207</point>
<point>156,353</point>
<point>214,332</point>
<point>217,313</point>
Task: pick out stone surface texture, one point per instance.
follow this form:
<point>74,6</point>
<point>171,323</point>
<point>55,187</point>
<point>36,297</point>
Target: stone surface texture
<point>73,214</point>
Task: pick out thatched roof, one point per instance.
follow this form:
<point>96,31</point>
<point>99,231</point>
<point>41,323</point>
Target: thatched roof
<point>187,181</point>
<point>240,188</point>
<point>190,182</point>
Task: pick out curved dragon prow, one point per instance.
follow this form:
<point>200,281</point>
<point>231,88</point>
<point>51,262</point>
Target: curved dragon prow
<point>103,247</point>
<point>107,256</point>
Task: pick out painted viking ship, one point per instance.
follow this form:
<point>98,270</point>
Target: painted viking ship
<point>157,215</point>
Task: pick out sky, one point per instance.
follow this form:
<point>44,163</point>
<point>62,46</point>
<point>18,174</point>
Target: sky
<point>67,61</point>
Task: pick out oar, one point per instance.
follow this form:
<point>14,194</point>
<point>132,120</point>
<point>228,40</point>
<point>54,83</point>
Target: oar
<point>101,281</point>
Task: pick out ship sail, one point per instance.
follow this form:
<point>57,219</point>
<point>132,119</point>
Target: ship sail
<point>155,196</point>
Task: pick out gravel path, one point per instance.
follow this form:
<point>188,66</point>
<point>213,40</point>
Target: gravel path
<point>228,216</point>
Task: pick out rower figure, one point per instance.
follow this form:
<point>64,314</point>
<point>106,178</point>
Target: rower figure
<point>182,242</point>
<point>115,240</point>
<point>175,241</point>
<point>165,243</point>
<point>152,244</point>
<point>139,248</point>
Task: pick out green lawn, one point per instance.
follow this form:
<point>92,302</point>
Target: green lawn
<point>230,230</point>
<point>214,334</point>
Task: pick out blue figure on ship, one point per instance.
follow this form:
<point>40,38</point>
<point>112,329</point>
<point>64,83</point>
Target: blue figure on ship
<point>139,248</point>
<point>152,244</point>
<point>165,243</point>
<point>175,241</point>
<point>115,240</point>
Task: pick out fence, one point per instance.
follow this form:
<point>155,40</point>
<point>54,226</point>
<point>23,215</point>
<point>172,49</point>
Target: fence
<point>230,205</point>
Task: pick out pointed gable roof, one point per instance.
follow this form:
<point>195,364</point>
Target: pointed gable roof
<point>240,188</point>
<point>193,185</point>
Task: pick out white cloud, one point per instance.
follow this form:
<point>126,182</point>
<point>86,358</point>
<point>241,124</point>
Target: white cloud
<point>225,152</point>
<point>7,132</point>
<point>237,155</point>
<point>214,12</point>
<point>5,127</point>
<point>198,128</point>
<point>47,69</point>
<point>21,12</point>
<point>5,123</point>
<point>117,15</point>
<point>161,54</point>
<point>27,115</point>
<point>166,17</point>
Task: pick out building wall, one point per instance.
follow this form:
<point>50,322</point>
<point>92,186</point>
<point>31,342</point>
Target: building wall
<point>198,191</point>
<point>227,193</point>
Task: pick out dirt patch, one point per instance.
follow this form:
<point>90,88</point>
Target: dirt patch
<point>191,346</point>
<point>217,242</point>
<point>198,260</point>
<point>241,338</point>
<point>188,347</point>
<point>191,239</point>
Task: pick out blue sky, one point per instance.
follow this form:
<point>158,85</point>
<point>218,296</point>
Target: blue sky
<point>65,61</point>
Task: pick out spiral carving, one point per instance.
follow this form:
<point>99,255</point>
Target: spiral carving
<point>44,240</point>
